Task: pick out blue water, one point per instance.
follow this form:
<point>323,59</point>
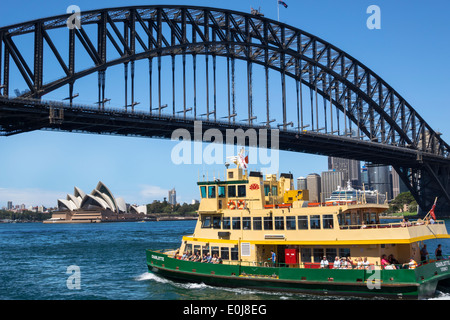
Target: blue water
<point>35,257</point>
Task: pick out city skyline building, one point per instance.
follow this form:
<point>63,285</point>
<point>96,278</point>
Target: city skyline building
<point>302,183</point>
<point>351,170</point>
<point>330,181</point>
<point>380,179</point>
<point>398,186</point>
<point>172,197</point>
<point>313,181</point>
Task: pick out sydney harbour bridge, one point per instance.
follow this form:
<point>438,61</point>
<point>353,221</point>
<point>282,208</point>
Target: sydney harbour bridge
<point>225,68</point>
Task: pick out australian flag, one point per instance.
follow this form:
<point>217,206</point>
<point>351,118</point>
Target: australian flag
<point>282,3</point>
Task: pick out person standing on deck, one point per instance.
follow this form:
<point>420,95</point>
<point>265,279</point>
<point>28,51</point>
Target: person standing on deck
<point>273,258</point>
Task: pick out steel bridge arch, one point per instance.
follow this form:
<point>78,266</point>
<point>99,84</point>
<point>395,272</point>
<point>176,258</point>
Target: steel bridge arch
<point>380,113</point>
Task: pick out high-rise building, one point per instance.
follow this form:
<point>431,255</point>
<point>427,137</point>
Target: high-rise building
<point>172,197</point>
<point>398,186</point>
<point>9,205</point>
<point>314,187</point>
<point>379,179</point>
<point>365,177</point>
<point>302,183</point>
<point>331,180</point>
<point>351,169</point>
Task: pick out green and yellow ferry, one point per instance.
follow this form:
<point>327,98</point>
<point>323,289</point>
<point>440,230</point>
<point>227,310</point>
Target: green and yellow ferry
<point>259,232</point>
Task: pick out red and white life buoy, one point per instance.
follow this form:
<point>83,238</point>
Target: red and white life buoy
<point>231,205</point>
<point>241,204</point>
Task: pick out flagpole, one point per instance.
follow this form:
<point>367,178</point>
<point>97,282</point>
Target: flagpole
<point>435,200</point>
<point>278,9</point>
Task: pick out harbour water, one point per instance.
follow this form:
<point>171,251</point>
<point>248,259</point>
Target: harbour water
<point>37,262</point>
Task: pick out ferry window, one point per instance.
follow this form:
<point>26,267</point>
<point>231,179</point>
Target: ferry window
<point>306,254</point>
<point>373,218</point>
<point>226,223</point>
<point>241,191</point>
<point>203,191</point>
<point>317,254</point>
<point>266,190</point>
<point>257,223</point>
<point>290,223</point>
<point>331,254</point>
<point>225,253</point>
<point>236,223</point>
<point>327,221</point>
<point>274,190</point>
<point>221,193</point>
<point>302,222</point>
<point>344,252</point>
<point>279,223</point>
<point>211,191</point>
<point>206,221</point>
<point>235,253</point>
<point>214,250</point>
<point>231,191</point>
<point>216,222</point>
<point>205,249</point>
<point>268,223</point>
<point>315,222</point>
<point>246,223</point>
<point>188,248</point>
<point>197,249</point>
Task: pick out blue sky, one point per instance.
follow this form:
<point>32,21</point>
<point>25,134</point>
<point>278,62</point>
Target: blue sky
<point>410,52</point>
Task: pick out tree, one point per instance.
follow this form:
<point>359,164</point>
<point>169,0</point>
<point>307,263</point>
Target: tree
<point>404,198</point>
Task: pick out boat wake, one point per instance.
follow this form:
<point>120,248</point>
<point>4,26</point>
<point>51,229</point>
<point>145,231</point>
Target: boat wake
<point>441,296</point>
<point>151,276</point>
<point>148,276</point>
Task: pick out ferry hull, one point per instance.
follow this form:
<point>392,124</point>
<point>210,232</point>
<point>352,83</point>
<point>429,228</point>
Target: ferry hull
<point>394,284</point>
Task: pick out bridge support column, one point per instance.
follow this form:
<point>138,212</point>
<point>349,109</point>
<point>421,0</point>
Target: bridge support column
<point>425,184</point>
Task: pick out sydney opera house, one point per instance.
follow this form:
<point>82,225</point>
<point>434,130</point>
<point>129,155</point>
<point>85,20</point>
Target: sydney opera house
<point>98,206</point>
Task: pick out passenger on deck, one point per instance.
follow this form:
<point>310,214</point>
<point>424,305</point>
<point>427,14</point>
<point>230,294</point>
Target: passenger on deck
<point>424,253</point>
<point>359,263</point>
<point>366,263</point>
<point>392,260</point>
<point>438,252</point>
<point>411,265</point>
<point>350,263</point>
<point>324,263</point>
<point>197,257</point>
<point>385,263</point>
<point>344,263</point>
<point>337,263</point>
<point>403,223</point>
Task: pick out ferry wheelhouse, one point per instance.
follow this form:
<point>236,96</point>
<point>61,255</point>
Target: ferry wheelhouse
<point>259,232</point>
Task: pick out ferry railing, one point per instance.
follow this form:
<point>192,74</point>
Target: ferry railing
<point>389,225</point>
<point>316,265</point>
